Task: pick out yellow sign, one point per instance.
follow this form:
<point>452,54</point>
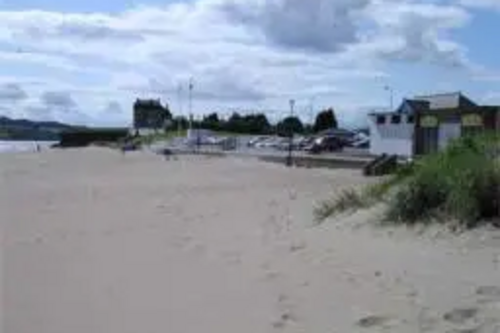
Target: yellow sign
<point>429,121</point>
<point>472,120</point>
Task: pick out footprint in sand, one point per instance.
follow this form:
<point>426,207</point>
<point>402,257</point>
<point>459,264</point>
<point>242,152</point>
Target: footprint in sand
<point>271,275</point>
<point>284,320</point>
<point>488,294</point>
<point>372,321</point>
<point>296,247</point>
<point>182,242</point>
<point>287,313</point>
<point>461,315</point>
<point>467,330</point>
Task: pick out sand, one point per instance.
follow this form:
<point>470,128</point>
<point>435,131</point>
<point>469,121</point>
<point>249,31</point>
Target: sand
<point>94,242</point>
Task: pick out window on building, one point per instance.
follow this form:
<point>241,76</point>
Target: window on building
<point>396,119</point>
<point>410,119</point>
<point>380,120</point>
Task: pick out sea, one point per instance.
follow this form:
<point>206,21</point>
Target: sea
<point>23,146</point>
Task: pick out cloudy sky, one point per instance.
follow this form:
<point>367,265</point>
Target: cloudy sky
<point>85,61</point>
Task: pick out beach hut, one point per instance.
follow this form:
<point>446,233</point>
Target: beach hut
<point>426,124</point>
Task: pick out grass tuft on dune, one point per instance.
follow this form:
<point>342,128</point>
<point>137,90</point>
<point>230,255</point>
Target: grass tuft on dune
<point>460,183</point>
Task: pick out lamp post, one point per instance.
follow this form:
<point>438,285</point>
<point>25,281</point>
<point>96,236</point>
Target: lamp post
<point>290,138</point>
<point>198,135</point>
<point>311,112</point>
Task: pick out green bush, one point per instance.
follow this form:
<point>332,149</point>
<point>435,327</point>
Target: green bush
<point>461,183</point>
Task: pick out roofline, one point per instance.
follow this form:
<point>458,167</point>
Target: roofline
<point>441,94</point>
<point>384,113</point>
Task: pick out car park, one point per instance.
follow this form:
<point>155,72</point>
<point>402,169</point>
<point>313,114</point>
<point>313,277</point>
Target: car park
<point>325,144</point>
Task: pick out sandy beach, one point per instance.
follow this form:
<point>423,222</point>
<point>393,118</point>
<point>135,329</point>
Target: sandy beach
<point>97,242</point>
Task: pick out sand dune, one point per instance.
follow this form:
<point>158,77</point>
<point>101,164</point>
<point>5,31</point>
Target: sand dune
<point>99,242</point>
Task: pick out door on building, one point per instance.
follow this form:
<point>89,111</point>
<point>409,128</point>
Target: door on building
<point>427,135</point>
<point>448,132</point>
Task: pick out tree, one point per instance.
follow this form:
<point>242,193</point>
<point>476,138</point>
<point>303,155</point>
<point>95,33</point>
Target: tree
<point>326,119</point>
<point>180,121</point>
<point>308,129</point>
<point>150,114</point>
<point>256,124</point>
<point>235,123</point>
<point>248,124</point>
<point>211,122</point>
<point>290,125</point>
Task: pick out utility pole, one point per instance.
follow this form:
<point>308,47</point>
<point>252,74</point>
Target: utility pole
<point>290,138</point>
<point>179,100</point>
<point>190,96</point>
<point>198,138</point>
<point>391,97</point>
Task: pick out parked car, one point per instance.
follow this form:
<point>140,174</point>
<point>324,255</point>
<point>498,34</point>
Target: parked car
<point>361,144</point>
<point>269,142</point>
<point>298,143</point>
<point>325,144</point>
<point>305,142</point>
<point>279,143</point>
<point>255,140</point>
<point>342,134</point>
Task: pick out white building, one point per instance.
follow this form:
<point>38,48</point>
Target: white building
<point>426,124</point>
<point>393,132</point>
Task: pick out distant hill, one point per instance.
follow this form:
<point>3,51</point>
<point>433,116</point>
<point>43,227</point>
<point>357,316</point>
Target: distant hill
<point>23,129</point>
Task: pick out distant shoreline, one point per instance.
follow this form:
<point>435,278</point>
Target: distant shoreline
<point>25,140</point>
<point>13,146</point>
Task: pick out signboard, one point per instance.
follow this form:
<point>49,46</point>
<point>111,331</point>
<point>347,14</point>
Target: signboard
<point>472,120</point>
<point>429,121</point>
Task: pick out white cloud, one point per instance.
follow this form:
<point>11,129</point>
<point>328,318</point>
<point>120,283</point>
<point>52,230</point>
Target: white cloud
<point>481,3</point>
<point>317,25</point>
<point>38,58</point>
<point>240,52</point>
<point>415,32</point>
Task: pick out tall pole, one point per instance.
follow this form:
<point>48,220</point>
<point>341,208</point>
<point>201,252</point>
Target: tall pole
<point>198,137</point>
<point>190,103</point>
<point>290,138</point>
<point>179,100</point>
<point>391,97</point>
<point>311,112</point>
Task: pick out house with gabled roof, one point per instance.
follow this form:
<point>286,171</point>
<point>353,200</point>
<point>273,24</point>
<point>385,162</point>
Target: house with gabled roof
<point>425,124</point>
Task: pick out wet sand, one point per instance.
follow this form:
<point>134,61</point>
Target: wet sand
<point>94,241</point>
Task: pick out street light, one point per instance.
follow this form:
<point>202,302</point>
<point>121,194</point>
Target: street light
<point>311,112</point>
<point>198,134</point>
<point>290,139</point>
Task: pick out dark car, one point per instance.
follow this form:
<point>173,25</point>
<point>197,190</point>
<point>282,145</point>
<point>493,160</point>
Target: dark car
<point>325,144</point>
